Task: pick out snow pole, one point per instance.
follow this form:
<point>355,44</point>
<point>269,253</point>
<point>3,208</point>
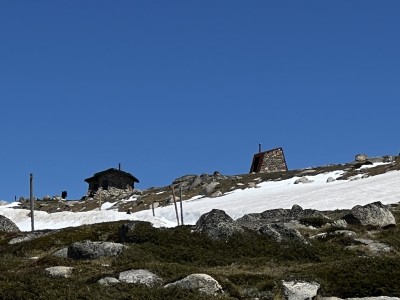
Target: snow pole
<point>180,195</point>
<point>152,205</point>
<point>176,208</point>
<point>31,201</point>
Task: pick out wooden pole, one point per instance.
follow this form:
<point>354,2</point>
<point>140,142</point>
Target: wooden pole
<point>31,200</point>
<point>176,208</point>
<point>180,195</point>
<point>152,204</point>
<point>99,199</point>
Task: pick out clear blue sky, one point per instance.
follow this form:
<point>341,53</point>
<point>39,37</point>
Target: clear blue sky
<point>168,88</point>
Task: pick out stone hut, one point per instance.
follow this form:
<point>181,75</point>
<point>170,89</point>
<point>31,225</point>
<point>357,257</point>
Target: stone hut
<point>111,178</point>
<point>269,161</point>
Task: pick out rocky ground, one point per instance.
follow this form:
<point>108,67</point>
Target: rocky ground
<point>292,253</point>
<point>213,185</point>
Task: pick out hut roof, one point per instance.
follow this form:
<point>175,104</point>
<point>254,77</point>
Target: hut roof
<point>112,170</point>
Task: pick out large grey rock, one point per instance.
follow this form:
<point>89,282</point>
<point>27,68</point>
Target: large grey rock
<point>59,271</point>
<point>388,158</point>
<point>63,253</point>
<point>299,290</point>
<point>280,232</point>
<point>6,225</point>
<point>371,215</point>
<point>93,250</point>
<point>361,157</point>
<point>295,213</point>
<point>201,282</point>
<point>275,215</point>
<point>257,220</point>
<point>195,183</point>
<point>217,225</point>
<point>209,188</point>
<point>140,276</point>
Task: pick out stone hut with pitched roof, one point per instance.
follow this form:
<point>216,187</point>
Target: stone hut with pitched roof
<point>111,178</point>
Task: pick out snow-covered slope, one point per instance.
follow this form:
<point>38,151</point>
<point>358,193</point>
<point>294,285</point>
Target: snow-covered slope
<point>267,195</point>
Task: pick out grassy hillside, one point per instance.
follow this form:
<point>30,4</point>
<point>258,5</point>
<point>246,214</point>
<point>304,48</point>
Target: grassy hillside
<point>249,265</point>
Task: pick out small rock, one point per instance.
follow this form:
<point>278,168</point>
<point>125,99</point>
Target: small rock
<point>303,179</point>
<point>62,253</point>
<point>140,276</point>
<point>300,290</point>
<point>216,194</point>
<point>59,271</point>
<point>201,282</point>
<point>108,281</point>
<point>330,179</point>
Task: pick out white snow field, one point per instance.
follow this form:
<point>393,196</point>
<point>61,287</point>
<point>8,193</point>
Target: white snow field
<point>320,195</point>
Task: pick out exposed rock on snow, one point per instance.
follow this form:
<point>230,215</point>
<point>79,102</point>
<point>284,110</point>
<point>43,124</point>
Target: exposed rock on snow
<point>303,179</point>
<point>6,225</point>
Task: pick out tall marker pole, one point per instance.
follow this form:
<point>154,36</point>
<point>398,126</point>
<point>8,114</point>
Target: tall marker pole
<point>180,195</point>
<point>32,204</point>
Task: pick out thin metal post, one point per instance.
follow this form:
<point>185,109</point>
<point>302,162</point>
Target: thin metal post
<point>31,200</point>
<point>176,208</point>
<point>99,199</point>
<point>259,147</point>
<point>180,195</point>
<point>152,204</point>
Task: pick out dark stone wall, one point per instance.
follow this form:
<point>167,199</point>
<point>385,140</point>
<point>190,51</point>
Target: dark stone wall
<point>116,180</point>
<point>274,161</point>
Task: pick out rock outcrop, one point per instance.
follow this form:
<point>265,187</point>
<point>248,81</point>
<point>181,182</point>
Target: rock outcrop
<point>256,220</point>
<point>281,232</point>
<point>217,225</point>
<point>371,215</point>
<point>6,225</point>
<point>93,250</point>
